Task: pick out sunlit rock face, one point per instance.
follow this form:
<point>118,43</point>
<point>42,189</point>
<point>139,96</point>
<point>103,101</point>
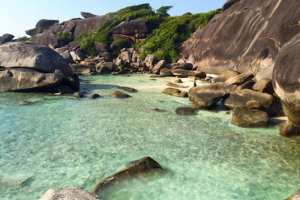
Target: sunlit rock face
<point>246,36</point>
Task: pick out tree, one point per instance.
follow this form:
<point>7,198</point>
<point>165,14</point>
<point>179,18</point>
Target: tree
<point>163,11</point>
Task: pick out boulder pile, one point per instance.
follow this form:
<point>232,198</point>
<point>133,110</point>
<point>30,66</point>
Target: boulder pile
<point>29,67</point>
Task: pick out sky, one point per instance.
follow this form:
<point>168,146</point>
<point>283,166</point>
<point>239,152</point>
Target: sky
<point>20,15</point>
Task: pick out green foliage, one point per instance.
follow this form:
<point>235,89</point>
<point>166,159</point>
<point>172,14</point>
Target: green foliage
<point>119,44</point>
<point>163,11</point>
<point>172,31</point>
<point>65,37</point>
<point>102,34</point>
<point>24,38</point>
<point>131,9</point>
<point>166,32</point>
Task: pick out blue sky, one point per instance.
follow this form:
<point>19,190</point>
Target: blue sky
<point>20,15</point>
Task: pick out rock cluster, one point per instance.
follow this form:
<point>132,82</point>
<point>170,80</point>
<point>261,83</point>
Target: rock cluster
<point>252,102</point>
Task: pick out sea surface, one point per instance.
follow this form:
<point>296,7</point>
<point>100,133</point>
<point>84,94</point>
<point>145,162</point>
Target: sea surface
<point>58,142</point>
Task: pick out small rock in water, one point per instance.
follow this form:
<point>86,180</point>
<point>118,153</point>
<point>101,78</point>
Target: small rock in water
<point>186,111</point>
<point>119,95</point>
<point>28,102</point>
<point>156,76</point>
<point>127,89</point>
<point>94,96</point>
<point>78,95</point>
<point>158,110</point>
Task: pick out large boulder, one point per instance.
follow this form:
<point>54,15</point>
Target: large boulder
<point>41,26</point>
<point>240,98</point>
<point>245,37</point>
<point>23,79</point>
<point>207,95</point>
<point>150,61</point>
<point>6,38</point>
<point>286,79</point>
<point>246,117</point>
<point>239,79</point>
<point>295,196</point>
<point>224,76</point>
<point>264,85</point>
<point>166,72</point>
<point>159,66</point>
<point>90,24</point>
<point>87,15</point>
<point>67,26</point>
<point>106,67</point>
<point>30,55</point>
<point>184,65</point>
<point>138,168</point>
<point>68,194</point>
<point>186,73</point>
<point>101,47</point>
<point>47,38</point>
<point>131,28</point>
<point>31,32</point>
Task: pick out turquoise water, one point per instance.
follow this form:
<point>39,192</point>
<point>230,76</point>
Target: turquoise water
<point>58,142</point>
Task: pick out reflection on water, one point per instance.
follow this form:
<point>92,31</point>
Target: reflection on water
<point>58,143</point>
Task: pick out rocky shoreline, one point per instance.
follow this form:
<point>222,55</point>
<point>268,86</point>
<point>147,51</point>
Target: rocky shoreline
<point>257,68</point>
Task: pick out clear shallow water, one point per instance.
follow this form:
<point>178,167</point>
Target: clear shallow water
<point>59,142</point>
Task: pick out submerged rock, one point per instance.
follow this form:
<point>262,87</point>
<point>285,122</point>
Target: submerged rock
<point>119,95</point>
<point>137,168</point>
<point>295,196</point>
<point>127,89</point>
<point>186,111</point>
<point>69,194</point>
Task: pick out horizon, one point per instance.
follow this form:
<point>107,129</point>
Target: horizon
<point>46,10</point>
